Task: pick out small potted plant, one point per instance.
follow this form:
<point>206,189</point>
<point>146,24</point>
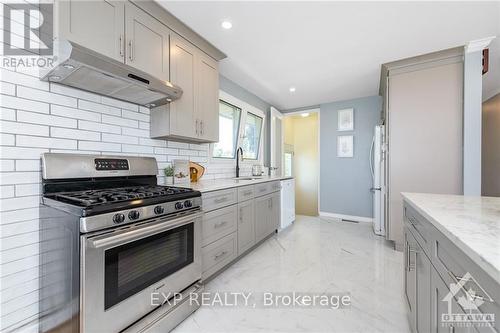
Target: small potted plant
<point>169,175</point>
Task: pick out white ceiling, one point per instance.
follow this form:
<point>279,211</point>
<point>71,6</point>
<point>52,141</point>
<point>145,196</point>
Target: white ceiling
<point>332,51</point>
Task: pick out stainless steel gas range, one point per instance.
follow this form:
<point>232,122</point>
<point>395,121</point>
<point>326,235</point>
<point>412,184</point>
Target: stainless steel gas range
<point>110,237</point>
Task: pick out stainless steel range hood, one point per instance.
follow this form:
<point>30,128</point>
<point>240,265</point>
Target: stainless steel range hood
<point>85,69</point>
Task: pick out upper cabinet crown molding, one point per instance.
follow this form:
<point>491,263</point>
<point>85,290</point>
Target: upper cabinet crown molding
<point>478,44</point>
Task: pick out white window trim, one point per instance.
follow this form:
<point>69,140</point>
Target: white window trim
<point>245,108</point>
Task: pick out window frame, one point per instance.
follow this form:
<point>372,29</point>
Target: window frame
<point>245,109</point>
<point>212,145</point>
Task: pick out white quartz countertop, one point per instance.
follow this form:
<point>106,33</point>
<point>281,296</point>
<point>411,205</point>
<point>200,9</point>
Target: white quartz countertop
<point>471,223</point>
<point>209,185</point>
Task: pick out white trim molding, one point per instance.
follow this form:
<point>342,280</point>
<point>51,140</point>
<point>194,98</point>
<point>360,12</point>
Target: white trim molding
<point>347,217</point>
<point>478,44</point>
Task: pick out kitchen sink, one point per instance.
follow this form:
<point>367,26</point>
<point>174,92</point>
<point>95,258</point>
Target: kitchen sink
<point>248,178</point>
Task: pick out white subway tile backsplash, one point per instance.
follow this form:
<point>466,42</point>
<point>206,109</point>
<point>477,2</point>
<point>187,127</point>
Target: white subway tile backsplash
<point>19,215</point>
<point>135,115</point>
<point>28,165</point>
<point>37,118</point>
<point>45,96</point>
<point>119,104</point>
<point>152,142</point>
<point>143,125</point>
<point>23,104</point>
<point>77,93</point>
<point>22,79</point>
<point>10,114</point>
<point>22,128</point>
<point>106,137</point>
<point>59,132</point>
<point>137,149</point>
<point>13,178</point>
<point>181,145</point>
<point>6,192</point>
<point>23,190</point>
<point>98,127</point>
<point>7,88</point>
<point>64,111</point>
<point>119,121</point>
<point>166,151</point>
<point>97,107</point>
<point>135,132</point>
<point>19,203</point>
<point>21,153</point>
<point>41,142</point>
<point>7,139</point>
<point>99,146</point>
<point>7,165</point>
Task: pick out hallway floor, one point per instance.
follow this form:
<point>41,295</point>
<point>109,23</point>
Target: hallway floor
<point>314,256</point>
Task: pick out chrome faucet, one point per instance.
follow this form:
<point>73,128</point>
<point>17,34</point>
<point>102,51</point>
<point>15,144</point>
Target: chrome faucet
<point>238,152</point>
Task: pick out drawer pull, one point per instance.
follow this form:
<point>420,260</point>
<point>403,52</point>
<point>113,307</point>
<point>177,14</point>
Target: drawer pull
<point>219,224</point>
<point>247,192</point>
<point>262,190</point>
<point>220,200</point>
<point>220,254</point>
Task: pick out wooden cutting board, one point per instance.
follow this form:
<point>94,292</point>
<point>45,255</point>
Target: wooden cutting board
<point>196,171</point>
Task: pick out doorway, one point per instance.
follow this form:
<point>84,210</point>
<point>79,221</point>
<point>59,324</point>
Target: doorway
<point>301,158</point>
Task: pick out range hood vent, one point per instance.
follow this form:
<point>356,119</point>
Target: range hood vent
<point>85,69</point>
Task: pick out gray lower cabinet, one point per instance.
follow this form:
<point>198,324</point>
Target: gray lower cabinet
<point>433,269</point>
<point>235,220</point>
<point>246,226</point>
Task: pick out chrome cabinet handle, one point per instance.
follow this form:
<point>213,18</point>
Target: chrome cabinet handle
<point>201,127</point>
<point>196,127</point>
<point>219,224</point>
<point>131,50</point>
<point>410,265</point>
<point>221,200</point>
<point>220,254</point>
<point>247,193</point>
<point>121,46</point>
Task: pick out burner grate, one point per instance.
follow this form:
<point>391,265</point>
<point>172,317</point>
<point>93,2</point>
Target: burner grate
<point>90,198</point>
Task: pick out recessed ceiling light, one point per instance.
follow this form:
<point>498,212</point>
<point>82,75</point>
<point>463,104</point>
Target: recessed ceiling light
<point>306,114</point>
<point>292,89</point>
<point>226,24</point>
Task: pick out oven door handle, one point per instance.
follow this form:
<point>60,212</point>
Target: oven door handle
<point>143,231</point>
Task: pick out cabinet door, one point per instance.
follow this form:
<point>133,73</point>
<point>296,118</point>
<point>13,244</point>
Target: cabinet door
<point>423,287</point>
<point>182,73</point>
<point>208,97</point>
<point>97,25</point>
<point>246,226</point>
<point>147,43</point>
<point>410,276</point>
<point>262,214</point>
<point>274,220</point>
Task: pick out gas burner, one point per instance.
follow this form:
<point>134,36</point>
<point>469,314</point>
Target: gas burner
<point>90,198</point>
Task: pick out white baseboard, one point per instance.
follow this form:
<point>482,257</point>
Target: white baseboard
<point>361,219</point>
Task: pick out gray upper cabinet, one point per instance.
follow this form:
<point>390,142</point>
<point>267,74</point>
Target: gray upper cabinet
<point>183,120</point>
<point>97,25</point>
<point>195,116</point>
<point>147,42</point>
<point>208,98</point>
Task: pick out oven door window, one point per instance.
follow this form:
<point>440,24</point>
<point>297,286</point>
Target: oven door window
<point>131,267</point>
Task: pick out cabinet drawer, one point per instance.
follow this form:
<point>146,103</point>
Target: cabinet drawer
<point>219,223</point>
<point>246,193</point>
<point>420,228</point>
<point>266,188</point>
<point>218,199</point>
<point>218,254</point>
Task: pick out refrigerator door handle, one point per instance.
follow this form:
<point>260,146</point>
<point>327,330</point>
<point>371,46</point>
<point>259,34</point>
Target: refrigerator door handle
<point>373,189</point>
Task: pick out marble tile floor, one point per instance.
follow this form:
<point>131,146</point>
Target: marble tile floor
<point>313,255</point>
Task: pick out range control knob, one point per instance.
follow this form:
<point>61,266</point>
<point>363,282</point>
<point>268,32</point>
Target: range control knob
<point>159,210</point>
<point>179,205</point>
<point>118,218</point>
<point>133,215</point>
<point>188,203</point>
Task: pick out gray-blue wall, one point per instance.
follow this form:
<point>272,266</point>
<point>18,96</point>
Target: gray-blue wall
<point>345,182</point>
